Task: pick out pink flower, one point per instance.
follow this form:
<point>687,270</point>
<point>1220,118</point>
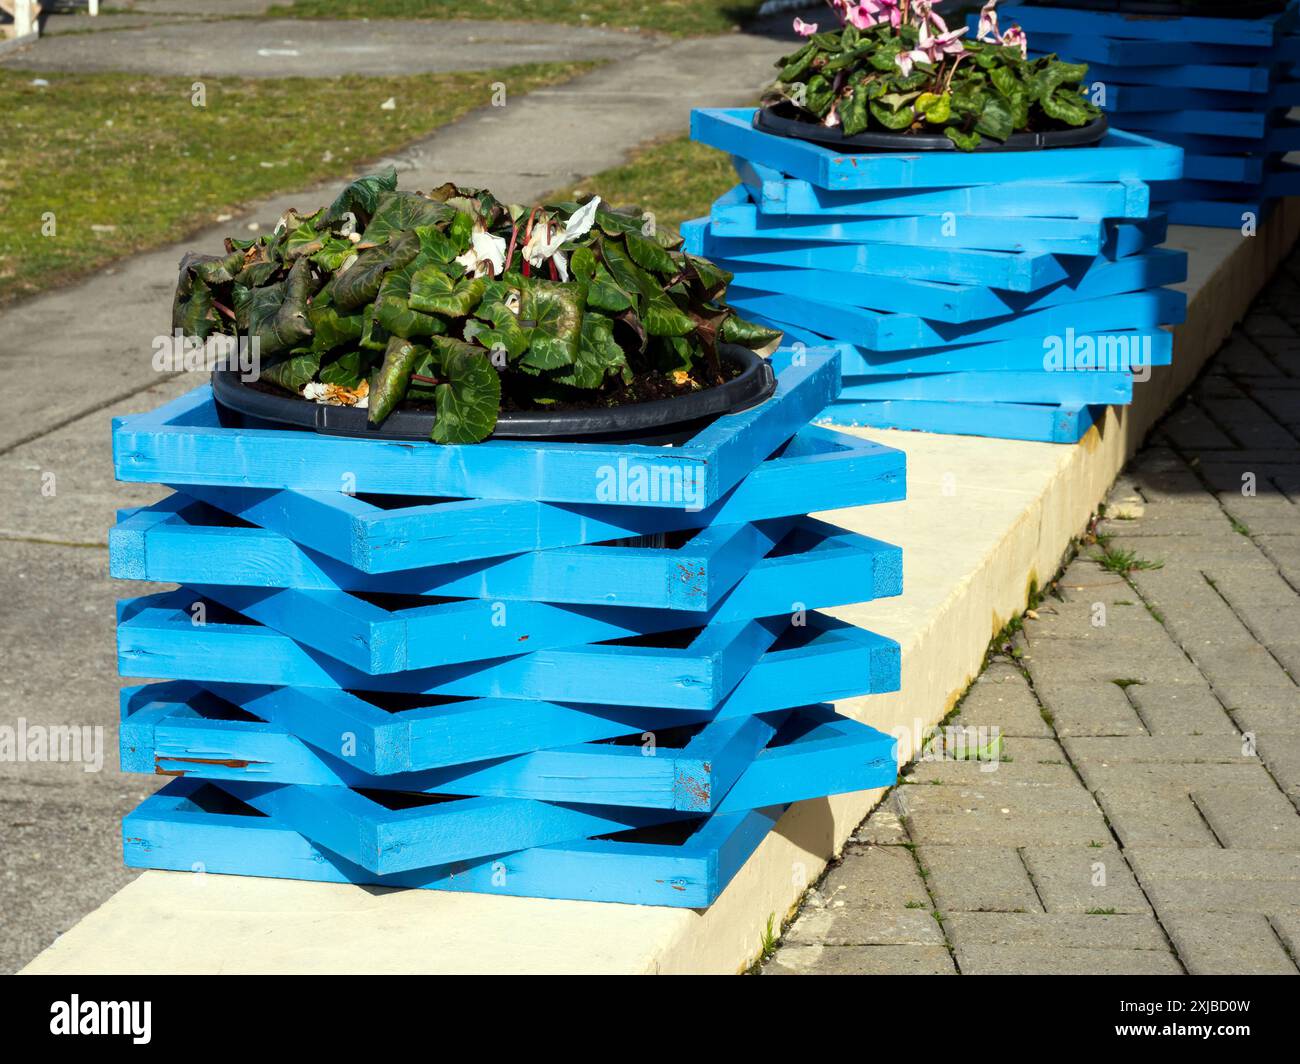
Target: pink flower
<point>931,48</point>
<point>988,28</point>
<point>804,29</point>
<point>989,33</point>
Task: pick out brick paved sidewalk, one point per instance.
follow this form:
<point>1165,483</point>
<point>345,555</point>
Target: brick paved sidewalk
<point>1140,814</point>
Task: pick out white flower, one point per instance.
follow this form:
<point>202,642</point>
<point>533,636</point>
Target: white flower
<point>542,244</point>
<point>486,254</point>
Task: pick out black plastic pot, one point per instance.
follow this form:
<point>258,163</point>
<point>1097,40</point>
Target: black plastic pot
<point>1174,8</point>
<point>659,421</point>
<point>781,120</point>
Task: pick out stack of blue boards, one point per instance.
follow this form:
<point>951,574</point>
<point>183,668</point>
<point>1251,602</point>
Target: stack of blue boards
<point>1221,88</point>
<point>1005,294</point>
<point>564,670</point>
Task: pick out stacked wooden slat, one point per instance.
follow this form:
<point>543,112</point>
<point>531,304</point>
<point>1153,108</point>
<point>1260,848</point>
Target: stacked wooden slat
<point>565,670</point>
<point>1010,294</point>
<point>1221,88</point>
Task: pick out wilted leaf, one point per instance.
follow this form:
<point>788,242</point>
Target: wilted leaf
<point>388,387</point>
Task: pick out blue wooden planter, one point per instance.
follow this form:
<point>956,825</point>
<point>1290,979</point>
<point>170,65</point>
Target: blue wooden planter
<point>1220,88</point>
<point>508,680</point>
<point>963,292</point>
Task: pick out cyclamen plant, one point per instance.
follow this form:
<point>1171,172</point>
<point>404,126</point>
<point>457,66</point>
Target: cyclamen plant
<point>456,300</point>
<point>896,66</point>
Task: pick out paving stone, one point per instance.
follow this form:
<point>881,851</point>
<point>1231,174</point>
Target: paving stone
<point>1180,709</point>
<point>1085,581</point>
<point>1068,931</point>
<point>1023,772</point>
<point>1255,818</point>
<point>1070,662</point>
<point>883,827</point>
<point>1006,705</point>
<point>1094,622</point>
<point>1158,749</point>
<point>1229,668</point>
<point>978,878</point>
<point>1266,513</point>
<point>1247,422</point>
<point>999,803</point>
<point>1097,708</point>
<point>1160,817</point>
<point>1213,864</point>
<point>1190,428</point>
<point>877,877</point>
<point>1281,754</point>
<point>861,960</point>
<point>1132,775</point>
<point>865,927</point>
<point>1074,880</point>
<point>965,829</point>
<point>1287,928</point>
<point>1220,896</point>
<point>1227,944</point>
<point>1051,960</point>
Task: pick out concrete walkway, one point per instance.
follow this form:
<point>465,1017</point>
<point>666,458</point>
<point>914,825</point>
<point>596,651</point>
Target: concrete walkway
<point>77,356</point>
<point>255,48</point>
<point>1140,815</point>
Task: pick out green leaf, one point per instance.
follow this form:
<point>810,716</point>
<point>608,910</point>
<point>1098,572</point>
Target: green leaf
<point>388,388</point>
<point>598,355</point>
<point>347,371</point>
<point>293,372</point>
<point>277,315</point>
<point>795,64</point>
<point>936,109</point>
<point>435,292</point>
<point>553,314</point>
<point>360,198</point>
<point>502,329</point>
<point>374,337</point>
<point>712,280</point>
<point>330,329</point>
<point>435,245</point>
<point>736,330</point>
<point>215,271</point>
<point>359,284</point>
<point>469,400</point>
<point>648,255</point>
<point>193,311</point>
<point>399,211</point>
<point>995,120</point>
<point>854,115</point>
<point>1066,105</point>
<point>890,119</point>
<point>393,310</point>
<point>964,141</point>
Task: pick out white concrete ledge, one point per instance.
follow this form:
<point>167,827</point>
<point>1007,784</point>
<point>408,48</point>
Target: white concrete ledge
<point>984,520</point>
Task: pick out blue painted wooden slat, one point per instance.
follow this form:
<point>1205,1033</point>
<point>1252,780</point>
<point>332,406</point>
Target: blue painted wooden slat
<point>167,446</point>
<point>382,535</point>
<point>181,730</point>
<point>958,304</point>
<point>1260,32</point>
<point>189,827</point>
<point>1229,168</point>
<point>157,637</point>
<point>1257,78</point>
<point>1014,421</point>
<point>777,195</point>
<point>379,634</point>
<point>1121,156</point>
<point>719,566</point>
<point>1129,53</point>
<point>1071,389</point>
<point>1227,214</point>
<point>1117,350</point>
<point>1125,99</point>
<point>1017,271</point>
<point>1060,236</point>
<point>897,332</point>
<point>412,833</point>
<point>1246,125</point>
<point>1282,138</point>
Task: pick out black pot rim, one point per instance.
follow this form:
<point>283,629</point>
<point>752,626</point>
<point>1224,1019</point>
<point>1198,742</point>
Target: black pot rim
<point>659,419</point>
<point>768,121</point>
<point>1241,9</point>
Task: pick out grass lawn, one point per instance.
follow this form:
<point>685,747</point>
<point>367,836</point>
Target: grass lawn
<point>680,17</point>
<point>127,163</point>
<point>675,179</point>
